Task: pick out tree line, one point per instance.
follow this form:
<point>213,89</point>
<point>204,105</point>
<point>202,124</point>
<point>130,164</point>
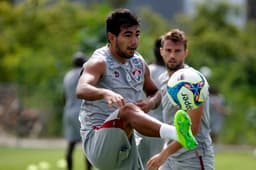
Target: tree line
<point>38,39</point>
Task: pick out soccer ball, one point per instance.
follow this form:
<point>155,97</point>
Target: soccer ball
<point>187,88</point>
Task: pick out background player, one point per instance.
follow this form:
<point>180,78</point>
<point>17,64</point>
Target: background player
<point>71,110</point>
<point>173,157</point>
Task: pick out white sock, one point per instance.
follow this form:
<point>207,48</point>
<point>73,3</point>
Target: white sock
<point>168,132</point>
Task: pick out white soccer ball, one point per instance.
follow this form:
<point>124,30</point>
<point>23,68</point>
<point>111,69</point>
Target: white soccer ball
<point>187,88</point>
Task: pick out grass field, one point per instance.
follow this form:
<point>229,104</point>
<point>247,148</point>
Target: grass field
<point>53,159</point>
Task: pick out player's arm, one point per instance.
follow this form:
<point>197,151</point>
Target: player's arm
<point>158,159</point>
<point>152,93</point>
<point>196,116</point>
<point>86,89</point>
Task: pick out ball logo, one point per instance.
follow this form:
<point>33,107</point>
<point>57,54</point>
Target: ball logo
<point>187,103</point>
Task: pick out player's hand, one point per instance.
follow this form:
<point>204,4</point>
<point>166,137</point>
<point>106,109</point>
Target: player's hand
<point>144,105</point>
<point>113,98</point>
<point>156,161</point>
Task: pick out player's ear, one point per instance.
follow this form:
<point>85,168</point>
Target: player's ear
<point>186,52</point>
<point>110,37</point>
<point>161,51</point>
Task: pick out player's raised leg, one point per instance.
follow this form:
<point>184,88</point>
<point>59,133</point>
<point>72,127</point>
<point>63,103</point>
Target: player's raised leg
<point>134,118</point>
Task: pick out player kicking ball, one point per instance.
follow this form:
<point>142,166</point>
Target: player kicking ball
<point>111,86</point>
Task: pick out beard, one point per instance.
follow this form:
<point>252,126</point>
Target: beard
<point>124,54</point>
<point>176,67</point>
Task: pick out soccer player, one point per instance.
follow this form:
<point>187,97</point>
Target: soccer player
<point>71,110</point>
<point>174,157</point>
<point>149,146</point>
<point>111,85</point>
<point>218,111</point>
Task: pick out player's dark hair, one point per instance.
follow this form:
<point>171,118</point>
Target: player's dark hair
<point>176,36</point>
<point>157,54</point>
<point>78,59</point>
<point>120,18</point>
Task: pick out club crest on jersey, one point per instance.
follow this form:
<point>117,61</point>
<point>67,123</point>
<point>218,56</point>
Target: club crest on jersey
<point>137,73</point>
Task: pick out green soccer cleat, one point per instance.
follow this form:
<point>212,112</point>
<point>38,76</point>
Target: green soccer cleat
<point>182,123</point>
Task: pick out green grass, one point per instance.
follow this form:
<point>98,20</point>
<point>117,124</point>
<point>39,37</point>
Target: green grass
<point>238,160</point>
<point>21,158</point>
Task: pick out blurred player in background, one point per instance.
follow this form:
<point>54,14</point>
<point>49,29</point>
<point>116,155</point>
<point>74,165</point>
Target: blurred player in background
<point>218,107</point>
<point>149,146</point>
<point>218,111</point>
<point>71,110</point>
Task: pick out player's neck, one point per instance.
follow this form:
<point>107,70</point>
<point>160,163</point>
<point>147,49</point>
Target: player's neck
<point>170,72</point>
<point>118,58</point>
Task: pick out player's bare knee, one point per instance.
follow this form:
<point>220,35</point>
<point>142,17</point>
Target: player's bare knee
<point>127,110</point>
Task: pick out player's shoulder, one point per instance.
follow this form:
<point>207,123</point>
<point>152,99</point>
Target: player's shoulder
<point>163,77</point>
<point>101,53</point>
<point>137,57</point>
<point>97,61</point>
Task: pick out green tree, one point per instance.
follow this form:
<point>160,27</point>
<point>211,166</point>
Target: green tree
<point>36,44</point>
<point>229,52</point>
<point>37,41</point>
